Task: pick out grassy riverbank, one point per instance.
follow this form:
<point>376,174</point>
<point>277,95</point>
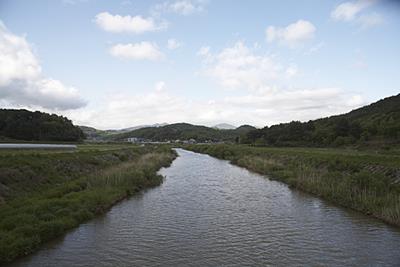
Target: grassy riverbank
<point>365,181</point>
<point>45,193</point>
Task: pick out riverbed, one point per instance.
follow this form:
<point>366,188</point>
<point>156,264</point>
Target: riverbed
<point>211,213</point>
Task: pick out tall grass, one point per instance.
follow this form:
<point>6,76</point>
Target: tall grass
<point>364,181</point>
<point>30,217</point>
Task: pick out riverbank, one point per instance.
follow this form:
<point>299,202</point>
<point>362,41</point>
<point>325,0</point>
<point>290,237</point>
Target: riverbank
<point>45,193</point>
<point>368,182</point>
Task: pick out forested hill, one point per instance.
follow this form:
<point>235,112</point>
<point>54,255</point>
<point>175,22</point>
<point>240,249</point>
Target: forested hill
<point>375,124</point>
<point>185,131</point>
<point>21,124</point>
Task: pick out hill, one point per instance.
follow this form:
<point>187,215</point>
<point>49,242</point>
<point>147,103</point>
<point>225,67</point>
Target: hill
<point>375,124</point>
<point>185,131</point>
<point>21,124</point>
<point>98,135</point>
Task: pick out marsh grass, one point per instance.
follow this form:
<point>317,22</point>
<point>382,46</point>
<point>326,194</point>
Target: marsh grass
<point>361,180</point>
<point>60,198</point>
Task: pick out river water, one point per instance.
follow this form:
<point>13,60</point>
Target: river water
<point>211,213</point>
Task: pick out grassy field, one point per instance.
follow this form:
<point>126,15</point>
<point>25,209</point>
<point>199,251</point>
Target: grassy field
<point>44,193</point>
<point>367,181</point>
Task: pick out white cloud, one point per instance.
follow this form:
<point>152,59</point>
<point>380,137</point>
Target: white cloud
<point>204,51</point>
<point>239,67</point>
<point>278,106</point>
<point>293,34</point>
<point>160,86</point>
<point>118,23</point>
<point>260,109</point>
<point>173,44</point>
<point>137,51</point>
<point>352,12</point>
<point>349,10</point>
<point>22,82</point>
<point>292,71</point>
<point>182,7</point>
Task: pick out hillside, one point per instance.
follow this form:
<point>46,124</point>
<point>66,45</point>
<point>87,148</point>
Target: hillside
<point>97,135</point>
<point>21,124</point>
<point>185,131</point>
<point>375,124</point>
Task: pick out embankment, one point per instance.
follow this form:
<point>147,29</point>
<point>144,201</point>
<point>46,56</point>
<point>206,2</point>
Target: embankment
<point>43,194</point>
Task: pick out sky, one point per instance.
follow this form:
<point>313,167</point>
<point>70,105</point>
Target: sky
<point>117,64</point>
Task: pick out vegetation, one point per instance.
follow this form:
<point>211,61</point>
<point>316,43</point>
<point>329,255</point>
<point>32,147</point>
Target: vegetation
<point>45,193</point>
<point>36,126</point>
<point>185,131</point>
<point>93,133</point>
<point>365,181</point>
<point>100,135</point>
<point>375,125</point>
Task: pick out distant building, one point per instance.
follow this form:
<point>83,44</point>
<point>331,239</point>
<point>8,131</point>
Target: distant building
<point>190,141</point>
<point>135,140</point>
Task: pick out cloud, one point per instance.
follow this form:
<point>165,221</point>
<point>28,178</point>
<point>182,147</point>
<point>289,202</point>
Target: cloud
<point>293,34</point>
<point>349,10</point>
<point>120,110</point>
<point>73,2</point>
<point>239,67</point>
<point>278,105</point>
<point>118,23</point>
<point>370,20</point>
<point>181,7</point>
<point>203,51</point>
<point>137,51</point>
<point>159,105</point>
<point>352,12</point>
<point>22,82</point>
<point>314,49</point>
<point>292,71</point>
<point>160,86</point>
<point>173,44</point>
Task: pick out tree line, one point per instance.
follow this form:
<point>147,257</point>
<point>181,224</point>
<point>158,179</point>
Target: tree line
<point>26,125</point>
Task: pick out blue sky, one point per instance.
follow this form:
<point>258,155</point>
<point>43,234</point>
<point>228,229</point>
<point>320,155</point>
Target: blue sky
<point>115,64</point>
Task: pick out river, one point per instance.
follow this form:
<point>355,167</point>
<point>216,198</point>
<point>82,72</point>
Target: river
<point>211,213</point>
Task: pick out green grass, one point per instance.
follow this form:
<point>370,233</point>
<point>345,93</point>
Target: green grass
<point>367,181</point>
<point>45,194</point>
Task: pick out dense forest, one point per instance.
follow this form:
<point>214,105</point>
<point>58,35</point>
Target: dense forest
<point>37,126</point>
<point>185,131</point>
<point>375,124</point>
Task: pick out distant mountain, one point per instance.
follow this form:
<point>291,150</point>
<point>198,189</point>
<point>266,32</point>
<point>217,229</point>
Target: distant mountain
<point>224,126</point>
<point>21,124</point>
<point>184,131</point>
<point>376,124</point>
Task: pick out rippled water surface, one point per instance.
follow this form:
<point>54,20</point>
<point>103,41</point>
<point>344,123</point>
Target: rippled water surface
<point>211,213</point>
